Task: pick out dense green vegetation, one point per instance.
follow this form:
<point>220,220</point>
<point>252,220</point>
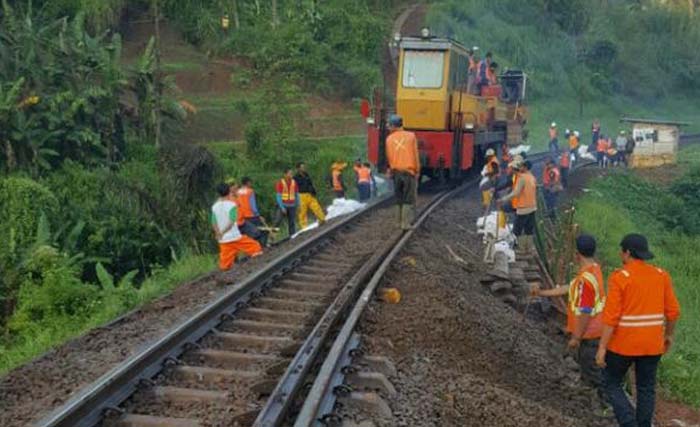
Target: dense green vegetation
<point>98,216</point>
<point>625,202</point>
<point>587,59</point>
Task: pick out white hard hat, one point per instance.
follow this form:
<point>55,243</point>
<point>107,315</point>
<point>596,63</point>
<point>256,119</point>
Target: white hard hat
<point>490,152</point>
<point>568,131</point>
<point>553,125</point>
<point>475,48</point>
<point>576,133</point>
<point>622,132</point>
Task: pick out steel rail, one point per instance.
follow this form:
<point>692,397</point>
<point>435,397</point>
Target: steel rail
<point>310,412</point>
<point>279,401</point>
<point>88,407</point>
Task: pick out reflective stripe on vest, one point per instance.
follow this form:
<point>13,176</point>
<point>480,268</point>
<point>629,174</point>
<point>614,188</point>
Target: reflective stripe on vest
<point>642,320</point>
<point>289,192</point>
<point>528,195</point>
<point>575,293</point>
<point>514,202</point>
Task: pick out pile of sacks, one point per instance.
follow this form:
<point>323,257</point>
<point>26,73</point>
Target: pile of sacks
<point>339,207</point>
<point>487,226</point>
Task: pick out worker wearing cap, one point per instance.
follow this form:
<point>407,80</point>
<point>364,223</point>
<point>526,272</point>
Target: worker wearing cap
<point>525,195</point>
<point>365,179</point>
<point>490,174</point>
<point>553,141</point>
<point>404,167</point>
<point>639,319</point>
<point>586,299</point>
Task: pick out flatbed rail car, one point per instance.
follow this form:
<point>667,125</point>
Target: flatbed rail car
<point>454,127</point>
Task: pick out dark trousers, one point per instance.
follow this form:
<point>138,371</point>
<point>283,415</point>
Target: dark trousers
<point>524,224</point>
<point>591,374</point>
<point>564,176</point>
<point>339,194</point>
<point>405,187</point>
<point>616,368</point>
<point>365,191</point>
<point>550,200</point>
<point>250,229</point>
<point>600,156</point>
<point>290,213</point>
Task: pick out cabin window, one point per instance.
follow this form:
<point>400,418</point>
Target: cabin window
<point>423,69</point>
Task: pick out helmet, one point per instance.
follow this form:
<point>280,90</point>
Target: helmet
<point>622,132</point>
<point>553,125</point>
<point>395,121</point>
<point>490,152</point>
<point>577,133</point>
<point>567,131</point>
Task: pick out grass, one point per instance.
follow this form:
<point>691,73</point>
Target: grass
<point>40,339</point>
<point>606,215</point>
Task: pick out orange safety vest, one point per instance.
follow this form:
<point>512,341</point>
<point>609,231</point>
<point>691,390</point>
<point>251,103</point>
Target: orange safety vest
<point>402,152</point>
<point>337,180</point>
<point>364,175</point>
<point>573,142</point>
<point>289,191</point>
<point>639,303</point>
<point>602,145</point>
<point>565,160</point>
<point>514,201</point>
<point>594,277</point>
<point>244,209</point>
<point>528,196</point>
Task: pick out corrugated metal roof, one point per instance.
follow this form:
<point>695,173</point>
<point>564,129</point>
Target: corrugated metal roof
<point>654,121</point>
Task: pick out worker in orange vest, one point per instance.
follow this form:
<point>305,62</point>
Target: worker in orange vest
<point>525,194</point>
<point>287,198</point>
<point>639,320</point>
<point>224,215</point>
<point>249,214</point>
<point>551,183</point>
<point>482,78</point>
<point>601,149</point>
<point>404,168</point>
<point>307,197</point>
<point>337,183</point>
<point>364,182</point>
<point>586,299</point>
<point>564,165</point>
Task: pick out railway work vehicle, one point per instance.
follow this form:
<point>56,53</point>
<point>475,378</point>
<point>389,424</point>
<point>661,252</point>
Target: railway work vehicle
<point>454,127</point>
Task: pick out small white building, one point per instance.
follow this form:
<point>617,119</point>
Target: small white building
<point>655,141</point>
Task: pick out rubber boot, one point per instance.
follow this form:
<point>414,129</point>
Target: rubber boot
<point>408,214</point>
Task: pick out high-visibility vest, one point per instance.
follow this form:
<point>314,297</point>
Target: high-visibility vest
<point>640,300</point>
<point>514,202</point>
<point>573,142</point>
<point>576,287</point>
<point>565,160</point>
<point>289,191</point>
<point>528,195</point>
<point>364,175</point>
<point>244,208</point>
<point>337,180</point>
<point>602,145</point>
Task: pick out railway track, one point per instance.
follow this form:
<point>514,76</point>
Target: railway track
<point>244,359</point>
<point>218,366</point>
